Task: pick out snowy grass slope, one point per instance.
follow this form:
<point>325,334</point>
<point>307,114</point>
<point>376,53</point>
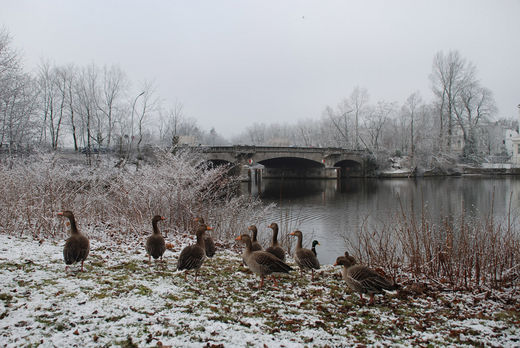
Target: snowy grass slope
<point>122,301</point>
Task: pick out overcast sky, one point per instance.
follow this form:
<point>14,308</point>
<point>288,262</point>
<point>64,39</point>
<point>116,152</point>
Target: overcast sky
<point>234,63</point>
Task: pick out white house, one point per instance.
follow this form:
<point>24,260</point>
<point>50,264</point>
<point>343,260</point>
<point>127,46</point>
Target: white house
<point>515,144</point>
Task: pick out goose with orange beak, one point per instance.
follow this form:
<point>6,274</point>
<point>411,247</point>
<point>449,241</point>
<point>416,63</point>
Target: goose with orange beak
<point>262,262</point>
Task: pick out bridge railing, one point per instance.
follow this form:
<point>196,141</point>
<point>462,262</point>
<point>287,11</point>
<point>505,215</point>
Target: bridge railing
<point>254,149</point>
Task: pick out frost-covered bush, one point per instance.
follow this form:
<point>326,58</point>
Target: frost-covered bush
<point>110,201</point>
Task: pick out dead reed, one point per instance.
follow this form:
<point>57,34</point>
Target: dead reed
<point>462,253</point>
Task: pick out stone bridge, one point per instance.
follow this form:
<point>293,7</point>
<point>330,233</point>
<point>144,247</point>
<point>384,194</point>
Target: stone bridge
<point>289,162</point>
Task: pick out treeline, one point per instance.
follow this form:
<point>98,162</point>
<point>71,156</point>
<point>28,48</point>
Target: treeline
<point>457,125</point>
<point>92,107</point>
<point>84,107</point>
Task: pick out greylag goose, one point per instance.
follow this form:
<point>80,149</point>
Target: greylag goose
<point>362,279</point>
<point>305,258</point>
<point>193,256</point>
<point>261,262</point>
<point>155,244</point>
<point>77,246</point>
<point>314,243</point>
<point>255,246</point>
<point>275,247</point>
<point>209,243</point>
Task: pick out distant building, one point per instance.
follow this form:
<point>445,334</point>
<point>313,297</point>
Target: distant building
<point>496,140</point>
<point>515,144</point>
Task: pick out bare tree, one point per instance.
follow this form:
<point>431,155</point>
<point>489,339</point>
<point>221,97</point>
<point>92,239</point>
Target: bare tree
<point>171,125</point>
<point>449,74</point>
<point>147,104</point>
<point>358,101</point>
<point>474,104</point>
<point>374,121</point>
<point>18,97</point>
<point>340,120</point>
<point>114,85</point>
<point>305,134</point>
<point>410,109</point>
<point>257,133</point>
<point>18,109</point>
<point>86,90</point>
<point>52,83</point>
<point>70,75</point>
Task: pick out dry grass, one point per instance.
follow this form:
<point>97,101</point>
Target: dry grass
<point>466,253</point>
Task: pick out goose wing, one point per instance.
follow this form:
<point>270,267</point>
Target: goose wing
<point>76,249</point>
<point>270,262</point>
<point>276,251</point>
<point>370,280</point>
<point>155,246</point>
<point>307,259</point>
<point>191,257</point>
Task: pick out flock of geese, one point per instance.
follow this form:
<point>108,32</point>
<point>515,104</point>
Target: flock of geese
<point>270,261</point>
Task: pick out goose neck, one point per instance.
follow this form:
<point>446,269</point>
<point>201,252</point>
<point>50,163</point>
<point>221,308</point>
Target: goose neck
<point>200,239</point>
<point>275,235</point>
<point>299,243</point>
<point>73,227</point>
<point>155,228</point>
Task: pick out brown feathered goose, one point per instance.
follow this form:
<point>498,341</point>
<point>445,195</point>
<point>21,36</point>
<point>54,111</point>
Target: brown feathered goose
<point>362,279</point>
<point>275,247</point>
<point>77,246</point>
<point>255,246</point>
<point>262,262</point>
<point>193,256</point>
<point>305,258</point>
<point>155,244</point>
<point>209,243</point>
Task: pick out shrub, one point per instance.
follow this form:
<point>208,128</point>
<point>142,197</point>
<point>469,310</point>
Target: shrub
<point>109,201</point>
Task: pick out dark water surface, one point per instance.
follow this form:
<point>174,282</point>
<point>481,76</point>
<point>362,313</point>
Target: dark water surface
<point>332,211</point>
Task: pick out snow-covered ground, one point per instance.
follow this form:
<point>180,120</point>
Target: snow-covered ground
<point>122,300</point>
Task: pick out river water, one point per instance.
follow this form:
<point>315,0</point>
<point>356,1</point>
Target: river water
<point>331,211</point>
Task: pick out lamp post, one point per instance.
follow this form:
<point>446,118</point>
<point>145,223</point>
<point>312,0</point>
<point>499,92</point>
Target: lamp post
<point>132,125</point>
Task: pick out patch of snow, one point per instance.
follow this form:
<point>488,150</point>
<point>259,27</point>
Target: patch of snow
<point>123,299</point>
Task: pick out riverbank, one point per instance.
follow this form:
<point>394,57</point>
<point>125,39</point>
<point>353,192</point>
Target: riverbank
<point>456,171</point>
<point>122,300</point>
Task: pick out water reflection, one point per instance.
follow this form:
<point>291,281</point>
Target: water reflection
<point>332,211</point>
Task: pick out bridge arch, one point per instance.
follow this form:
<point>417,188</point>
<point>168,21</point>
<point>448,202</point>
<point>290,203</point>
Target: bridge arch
<point>291,167</point>
<point>349,167</point>
<point>290,162</point>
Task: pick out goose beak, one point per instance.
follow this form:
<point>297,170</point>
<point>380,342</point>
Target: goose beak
<point>292,234</point>
<point>335,264</point>
<point>163,218</point>
<point>208,228</point>
<point>60,213</point>
<point>238,238</point>
<point>319,244</point>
